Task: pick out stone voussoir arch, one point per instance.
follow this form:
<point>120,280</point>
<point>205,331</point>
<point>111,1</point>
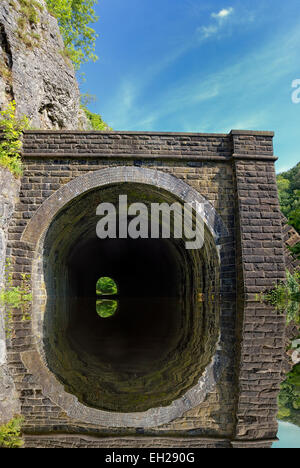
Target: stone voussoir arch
<point>34,236</point>
<point>41,220</point>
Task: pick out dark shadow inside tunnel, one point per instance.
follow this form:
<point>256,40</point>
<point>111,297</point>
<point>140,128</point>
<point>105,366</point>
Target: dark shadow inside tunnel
<point>146,322</point>
<point>163,334</point>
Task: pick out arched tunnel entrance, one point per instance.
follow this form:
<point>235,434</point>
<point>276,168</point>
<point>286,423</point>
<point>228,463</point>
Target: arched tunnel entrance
<point>166,326</point>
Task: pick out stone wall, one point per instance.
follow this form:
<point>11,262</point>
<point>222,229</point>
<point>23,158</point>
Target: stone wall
<point>261,263</point>
<point>235,173</point>
<point>9,401</point>
<point>66,441</point>
<point>55,159</point>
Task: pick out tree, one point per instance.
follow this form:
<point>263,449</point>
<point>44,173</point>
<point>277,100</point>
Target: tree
<point>289,398</point>
<point>95,119</point>
<point>74,18</point>
<point>289,195</point>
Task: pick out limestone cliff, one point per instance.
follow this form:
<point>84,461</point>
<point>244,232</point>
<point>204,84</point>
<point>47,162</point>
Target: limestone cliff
<point>33,69</point>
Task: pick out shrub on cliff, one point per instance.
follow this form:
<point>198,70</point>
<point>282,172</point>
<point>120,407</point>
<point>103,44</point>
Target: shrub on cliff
<point>11,129</point>
<point>10,434</point>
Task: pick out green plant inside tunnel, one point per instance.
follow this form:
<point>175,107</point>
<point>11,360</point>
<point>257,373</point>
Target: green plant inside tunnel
<point>106,308</point>
<point>106,287</point>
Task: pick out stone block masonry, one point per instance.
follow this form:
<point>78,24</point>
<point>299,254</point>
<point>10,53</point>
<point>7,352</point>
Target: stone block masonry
<point>260,260</point>
<point>234,173</point>
<point>9,401</point>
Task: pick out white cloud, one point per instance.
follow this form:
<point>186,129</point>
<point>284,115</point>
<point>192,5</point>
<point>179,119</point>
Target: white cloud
<point>199,101</point>
<point>212,29</point>
<point>208,31</point>
<point>125,102</point>
<point>223,13</point>
<point>282,169</point>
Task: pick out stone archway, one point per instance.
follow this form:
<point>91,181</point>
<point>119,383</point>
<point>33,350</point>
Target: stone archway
<point>47,233</point>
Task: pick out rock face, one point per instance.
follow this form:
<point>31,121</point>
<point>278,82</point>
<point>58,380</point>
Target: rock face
<point>34,71</point>
<point>9,189</point>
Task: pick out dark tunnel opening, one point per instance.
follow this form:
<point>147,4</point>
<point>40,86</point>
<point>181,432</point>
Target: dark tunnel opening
<point>147,318</point>
<point>163,334</point>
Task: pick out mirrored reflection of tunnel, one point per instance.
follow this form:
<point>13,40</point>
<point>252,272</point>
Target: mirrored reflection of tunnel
<point>166,327</point>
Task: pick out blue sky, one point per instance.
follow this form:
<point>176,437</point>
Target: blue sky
<point>199,66</point>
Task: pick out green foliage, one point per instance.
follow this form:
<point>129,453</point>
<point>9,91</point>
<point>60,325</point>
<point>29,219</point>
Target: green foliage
<point>86,98</point>
<point>95,119</point>
<point>74,18</point>
<point>67,56</point>
<point>29,18</point>
<point>289,398</point>
<point>106,308</point>
<point>296,250</point>
<point>294,216</point>
<point>286,296</point>
<point>289,195</point>
<point>11,130</point>
<point>106,287</point>
<point>10,434</point>
<point>15,297</point>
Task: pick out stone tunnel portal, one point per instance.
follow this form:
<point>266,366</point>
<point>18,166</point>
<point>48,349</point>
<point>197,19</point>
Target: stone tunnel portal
<point>166,326</point>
